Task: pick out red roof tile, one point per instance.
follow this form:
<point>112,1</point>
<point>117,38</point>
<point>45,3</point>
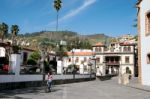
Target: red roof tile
<point>80,53</point>
<point>98,44</point>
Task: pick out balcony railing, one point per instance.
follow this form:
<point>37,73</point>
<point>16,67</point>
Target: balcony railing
<point>112,63</point>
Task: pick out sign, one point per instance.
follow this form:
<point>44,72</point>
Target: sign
<point>2,52</point>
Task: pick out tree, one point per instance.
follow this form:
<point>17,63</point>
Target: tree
<point>57,6</point>
<point>3,30</point>
<point>14,32</point>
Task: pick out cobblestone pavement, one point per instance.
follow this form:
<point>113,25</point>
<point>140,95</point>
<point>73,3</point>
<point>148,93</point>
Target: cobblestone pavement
<point>97,89</point>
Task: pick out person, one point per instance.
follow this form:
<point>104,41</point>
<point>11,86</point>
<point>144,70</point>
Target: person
<point>128,71</point>
<point>49,80</point>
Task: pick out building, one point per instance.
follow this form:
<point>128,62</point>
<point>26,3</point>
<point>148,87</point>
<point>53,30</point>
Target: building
<point>114,58</point>
<point>144,39</point>
<point>81,58</point>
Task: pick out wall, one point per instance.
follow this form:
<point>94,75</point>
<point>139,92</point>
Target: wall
<point>145,48</point>
<point>131,58</point>
<point>25,78</point>
<point>10,82</point>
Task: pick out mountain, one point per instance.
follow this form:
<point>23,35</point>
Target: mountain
<point>52,38</point>
<point>64,35</point>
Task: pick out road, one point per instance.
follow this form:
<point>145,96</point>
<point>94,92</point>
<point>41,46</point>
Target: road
<point>109,89</point>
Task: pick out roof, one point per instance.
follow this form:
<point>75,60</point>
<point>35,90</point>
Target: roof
<point>99,44</point>
<point>127,44</point>
<point>79,53</point>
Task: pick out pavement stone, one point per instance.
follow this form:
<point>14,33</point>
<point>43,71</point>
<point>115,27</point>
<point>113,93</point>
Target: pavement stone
<point>134,84</point>
<point>108,89</point>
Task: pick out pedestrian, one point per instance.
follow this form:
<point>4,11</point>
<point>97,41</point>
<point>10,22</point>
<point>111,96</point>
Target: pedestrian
<point>49,80</point>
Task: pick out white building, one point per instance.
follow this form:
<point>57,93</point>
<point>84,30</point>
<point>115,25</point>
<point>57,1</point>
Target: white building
<point>144,39</point>
<point>80,58</point>
<point>114,58</point>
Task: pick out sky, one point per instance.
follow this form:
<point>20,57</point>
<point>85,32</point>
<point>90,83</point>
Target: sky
<point>111,17</point>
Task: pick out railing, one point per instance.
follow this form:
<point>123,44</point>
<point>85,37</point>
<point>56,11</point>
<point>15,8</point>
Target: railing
<point>112,63</point>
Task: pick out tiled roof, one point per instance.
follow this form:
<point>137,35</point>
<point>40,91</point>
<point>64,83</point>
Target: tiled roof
<point>98,44</point>
<point>79,53</point>
<point>127,44</point>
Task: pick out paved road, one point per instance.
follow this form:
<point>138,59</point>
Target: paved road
<point>86,90</point>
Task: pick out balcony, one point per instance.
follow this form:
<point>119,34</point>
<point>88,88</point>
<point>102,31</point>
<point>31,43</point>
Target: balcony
<point>112,63</point>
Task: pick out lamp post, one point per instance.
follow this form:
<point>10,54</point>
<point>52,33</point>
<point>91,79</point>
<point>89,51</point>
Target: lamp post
<point>73,63</point>
<point>42,52</point>
<point>42,65</point>
<point>94,58</point>
<point>90,64</point>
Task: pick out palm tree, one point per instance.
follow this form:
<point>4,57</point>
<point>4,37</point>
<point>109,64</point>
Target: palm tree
<point>14,32</point>
<point>3,30</point>
<point>57,6</point>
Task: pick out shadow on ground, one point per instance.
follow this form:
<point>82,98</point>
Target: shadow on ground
<point>13,93</point>
<point>106,77</point>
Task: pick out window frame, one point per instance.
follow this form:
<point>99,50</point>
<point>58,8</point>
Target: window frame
<point>148,58</point>
<point>147,23</point>
<point>127,62</point>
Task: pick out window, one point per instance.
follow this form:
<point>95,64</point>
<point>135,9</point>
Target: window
<point>129,49</point>
<point>77,59</point>
<point>100,49</point>
<point>147,21</point>
<point>127,59</point>
<point>69,59</point>
<point>98,60</point>
<point>97,49</point>
<point>125,49</point>
<point>85,59</point>
<point>148,58</point>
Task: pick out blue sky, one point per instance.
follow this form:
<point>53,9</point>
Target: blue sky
<point>111,17</point>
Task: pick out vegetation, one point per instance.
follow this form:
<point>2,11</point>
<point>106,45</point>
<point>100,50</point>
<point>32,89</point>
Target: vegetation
<point>3,30</point>
<point>57,6</point>
<point>14,32</point>
<point>35,56</point>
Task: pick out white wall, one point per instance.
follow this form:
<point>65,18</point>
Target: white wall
<point>24,78</point>
<point>131,58</point>
<point>145,48</point>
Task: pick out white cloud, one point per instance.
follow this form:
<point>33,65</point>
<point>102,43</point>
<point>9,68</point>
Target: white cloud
<point>74,12</point>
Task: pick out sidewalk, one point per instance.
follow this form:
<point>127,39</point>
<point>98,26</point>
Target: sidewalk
<point>134,84</point>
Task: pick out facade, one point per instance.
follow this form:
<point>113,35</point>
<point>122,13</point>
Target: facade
<point>82,59</point>
<point>144,39</point>
<point>114,58</point>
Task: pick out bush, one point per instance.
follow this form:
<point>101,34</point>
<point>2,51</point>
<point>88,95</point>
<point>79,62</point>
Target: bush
<point>31,62</point>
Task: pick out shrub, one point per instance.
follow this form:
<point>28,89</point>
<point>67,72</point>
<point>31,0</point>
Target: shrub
<point>31,62</point>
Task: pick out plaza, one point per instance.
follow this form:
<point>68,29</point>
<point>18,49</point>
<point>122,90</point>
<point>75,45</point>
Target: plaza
<point>109,89</point>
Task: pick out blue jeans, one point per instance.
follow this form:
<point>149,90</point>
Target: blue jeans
<point>49,85</point>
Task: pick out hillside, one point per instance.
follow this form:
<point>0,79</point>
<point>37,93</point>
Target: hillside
<point>52,38</point>
<point>64,35</point>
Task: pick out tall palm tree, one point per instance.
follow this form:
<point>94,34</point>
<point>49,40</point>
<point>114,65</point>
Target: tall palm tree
<point>14,32</point>
<point>3,30</point>
<point>57,6</point>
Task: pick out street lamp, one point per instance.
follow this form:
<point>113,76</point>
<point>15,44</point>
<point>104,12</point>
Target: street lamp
<point>90,64</point>
<point>73,63</point>
<point>42,52</point>
<point>42,64</point>
<point>94,58</point>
